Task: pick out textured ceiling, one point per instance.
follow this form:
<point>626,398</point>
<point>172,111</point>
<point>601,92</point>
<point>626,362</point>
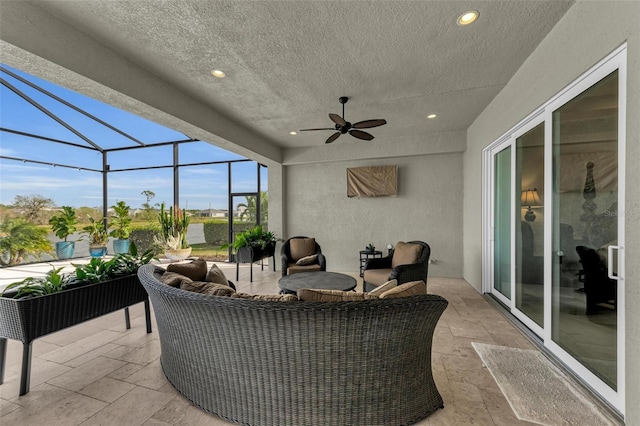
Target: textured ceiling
<point>287,63</point>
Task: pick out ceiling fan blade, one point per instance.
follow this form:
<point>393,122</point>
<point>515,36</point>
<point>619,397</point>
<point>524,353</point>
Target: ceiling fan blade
<point>367,124</point>
<point>322,128</point>
<point>337,119</point>
<point>333,137</point>
<point>361,135</point>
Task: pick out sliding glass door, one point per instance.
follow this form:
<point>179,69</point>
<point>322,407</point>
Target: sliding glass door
<point>529,220</point>
<point>555,187</point>
<point>502,225</point>
<point>585,231</point>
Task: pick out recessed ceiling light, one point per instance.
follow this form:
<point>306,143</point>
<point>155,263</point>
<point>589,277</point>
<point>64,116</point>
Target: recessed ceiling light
<point>432,116</point>
<point>218,73</point>
<point>468,17</point>
<point>293,133</point>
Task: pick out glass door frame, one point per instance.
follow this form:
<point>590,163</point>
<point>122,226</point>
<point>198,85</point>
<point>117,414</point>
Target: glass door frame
<point>509,140</point>
<point>533,121</point>
<point>617,60</point>
<point>489,208</point>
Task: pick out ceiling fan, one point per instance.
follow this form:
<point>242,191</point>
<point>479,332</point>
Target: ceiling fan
<point>342,126</point>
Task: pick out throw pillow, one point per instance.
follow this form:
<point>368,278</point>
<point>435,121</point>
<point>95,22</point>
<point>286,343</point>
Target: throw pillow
<point>412,288</point>
<point>215,275</point>
<point>269,297</point>
<point>174,279</point>
<point>320,295</point>
<point>196,270</point>
<point>405,254</point>
<point>307,260</point>
<point>203,287</point>
<point>301,247</point>
<point>384,287</point>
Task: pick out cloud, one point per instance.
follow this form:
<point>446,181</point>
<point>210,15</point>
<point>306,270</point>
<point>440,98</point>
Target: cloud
<point>186,171</point>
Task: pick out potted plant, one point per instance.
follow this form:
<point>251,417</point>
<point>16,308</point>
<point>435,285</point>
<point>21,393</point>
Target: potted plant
<point>253,245</point>
<point>174,224</point>
<point>121,227</point>
<point>255,237</point>
<point>64,224</point>
<point>98,234</point>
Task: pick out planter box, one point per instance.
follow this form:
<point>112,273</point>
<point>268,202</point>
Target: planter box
<point>253,254</point>
<point>28,319</point>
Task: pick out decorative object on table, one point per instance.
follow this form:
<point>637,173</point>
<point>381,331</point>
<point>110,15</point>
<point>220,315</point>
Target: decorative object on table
<point>255,244</point>
<point>121,227</point>
<point>98,233</point>
<point>174,224</point>
<point>370,247</point>
<point>530,198</point>
<point>295,250</point>
<point>64,224</point>
<point>342,126</point>
<point>35,307</point>
<point>408,262</point>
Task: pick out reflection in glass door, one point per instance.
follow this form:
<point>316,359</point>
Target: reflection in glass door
<point>502,224</point>
<point>529,250</point>
<point>585,225</point>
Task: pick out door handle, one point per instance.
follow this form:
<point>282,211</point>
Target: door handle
<point>610,262</point>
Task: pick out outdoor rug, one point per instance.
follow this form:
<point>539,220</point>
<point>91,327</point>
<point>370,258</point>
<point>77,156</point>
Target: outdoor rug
<point>537,391</point>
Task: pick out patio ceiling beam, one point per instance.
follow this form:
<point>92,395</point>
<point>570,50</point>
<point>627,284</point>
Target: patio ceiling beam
<point>81,111</point>
<point>124,148</point>
<point>49,113</point>
<point>44,138</point>
<point>180,165</point>
<point>48,163</point>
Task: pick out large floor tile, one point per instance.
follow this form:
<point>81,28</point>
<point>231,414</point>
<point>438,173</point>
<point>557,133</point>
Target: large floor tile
<point>108,375</point>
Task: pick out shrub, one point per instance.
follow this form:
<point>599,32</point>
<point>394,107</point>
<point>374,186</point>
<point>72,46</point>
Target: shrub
<point>143,237</point>
<point>216,232</point>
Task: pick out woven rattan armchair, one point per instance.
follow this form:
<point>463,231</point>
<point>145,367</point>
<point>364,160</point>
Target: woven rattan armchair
<point>377,271</point>
<point>259,362</point>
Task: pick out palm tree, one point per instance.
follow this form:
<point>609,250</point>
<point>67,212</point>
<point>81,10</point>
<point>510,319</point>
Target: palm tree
<point>18,238</point>
<point>249,214</point>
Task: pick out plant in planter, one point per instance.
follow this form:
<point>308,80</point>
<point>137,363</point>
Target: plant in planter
<point>38,306</point>
<point>253,245</point>
<point>64,224</point>
<point>255,237</point>
<point>122,264</point>
<point>98,234</point>
<point>121,227</point>
<point>53,282</point>
<point>174,224</point>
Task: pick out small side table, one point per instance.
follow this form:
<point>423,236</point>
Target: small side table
<point>365,255</point>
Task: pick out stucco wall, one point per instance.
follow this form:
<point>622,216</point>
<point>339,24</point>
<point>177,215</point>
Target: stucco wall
<point>588,32</point>
<point>428,207</point>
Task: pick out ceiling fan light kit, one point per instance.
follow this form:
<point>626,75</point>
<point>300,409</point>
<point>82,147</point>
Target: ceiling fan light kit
<point>342,126</point>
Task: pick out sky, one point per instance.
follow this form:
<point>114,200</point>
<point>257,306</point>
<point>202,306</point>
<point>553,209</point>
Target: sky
<point>201,187</point>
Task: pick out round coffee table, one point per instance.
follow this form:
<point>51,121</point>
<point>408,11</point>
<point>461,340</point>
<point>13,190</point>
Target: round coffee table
<point>290,284</point>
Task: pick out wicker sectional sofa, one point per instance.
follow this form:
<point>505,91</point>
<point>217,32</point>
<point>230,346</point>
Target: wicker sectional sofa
<point>262,362</point>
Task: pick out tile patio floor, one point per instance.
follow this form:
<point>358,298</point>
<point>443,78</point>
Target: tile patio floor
<point>100,373</point>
